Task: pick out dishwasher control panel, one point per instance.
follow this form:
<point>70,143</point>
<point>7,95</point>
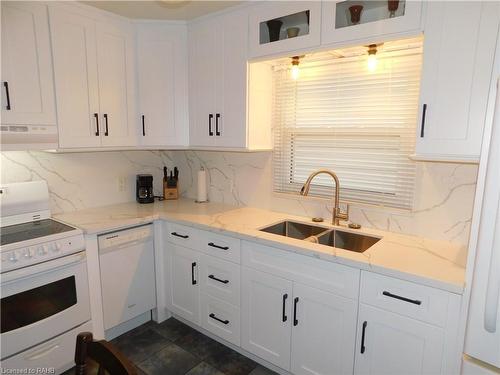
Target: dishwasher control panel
<point>125,236</point>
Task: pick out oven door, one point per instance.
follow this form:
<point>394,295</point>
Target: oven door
<point>42,301</point>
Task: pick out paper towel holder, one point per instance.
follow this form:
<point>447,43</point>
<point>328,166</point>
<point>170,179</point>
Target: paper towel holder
<point>205,194</point>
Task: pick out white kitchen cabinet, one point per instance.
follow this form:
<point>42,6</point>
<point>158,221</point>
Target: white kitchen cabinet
<point>392,344</point>
<point>375,22</point>
<point>184,294</point>
<point>27,84</point>
<point>162,84</point>
<point>456,74</point>
<point>218,81</point>
<point>94,79</point>
<point>323,333</point>
<point>305,15</point>
<point>266,316</point>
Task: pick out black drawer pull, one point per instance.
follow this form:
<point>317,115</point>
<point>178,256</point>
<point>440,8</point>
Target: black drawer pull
<point>284,317</point>
<point>211,244</point>
<point>210,132</point>
<point>193,280</point>
<point>295,302</point>
<point>180,235</point>
<point>219,280</point>
<point>7,95</point>
<point>365,323</point>
<point>143,127</point>
<point>422,126</point>
<point>106,132</point>
<point>96,115</point>
<point>219,320</point>
<point>414,301</point>
<point>217,117</point>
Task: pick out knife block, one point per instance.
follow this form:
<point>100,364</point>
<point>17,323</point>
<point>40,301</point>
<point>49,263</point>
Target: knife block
<point>170,193</point>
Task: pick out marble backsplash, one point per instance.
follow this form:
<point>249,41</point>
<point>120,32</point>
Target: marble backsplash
<point>443,195</point>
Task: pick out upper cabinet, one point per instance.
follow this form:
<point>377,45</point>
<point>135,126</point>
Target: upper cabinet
<point>456,77</point>
<point>94,78</point>
<point>348,21</point>
<point>162,84</point>
<point>27,83</point>
<point>218,81</point>
<point>279,27</point>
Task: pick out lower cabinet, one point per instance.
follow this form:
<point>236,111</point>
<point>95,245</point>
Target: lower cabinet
<point>296,327</point>
<point>184,298</point>
<point>392,344</point>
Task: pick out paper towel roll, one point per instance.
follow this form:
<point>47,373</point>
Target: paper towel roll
<point>202,186</point>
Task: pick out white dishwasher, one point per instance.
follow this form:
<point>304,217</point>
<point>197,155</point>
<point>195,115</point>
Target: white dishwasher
<point>127,268</point>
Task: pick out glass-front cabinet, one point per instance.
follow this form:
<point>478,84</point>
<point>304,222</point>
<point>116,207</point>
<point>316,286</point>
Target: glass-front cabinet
<point>284,26</point>
<point>351,20</point>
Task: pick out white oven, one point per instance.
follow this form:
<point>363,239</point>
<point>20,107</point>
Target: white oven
<point>42,301</point>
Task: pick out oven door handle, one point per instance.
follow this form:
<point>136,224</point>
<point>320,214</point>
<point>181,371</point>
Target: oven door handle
<point>42,267</point>
<point>41,353</point>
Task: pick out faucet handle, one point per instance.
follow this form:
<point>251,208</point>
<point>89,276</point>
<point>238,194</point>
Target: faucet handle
<point>343,211</point>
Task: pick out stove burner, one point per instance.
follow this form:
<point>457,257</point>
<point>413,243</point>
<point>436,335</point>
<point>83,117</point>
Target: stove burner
<point>31,230</point>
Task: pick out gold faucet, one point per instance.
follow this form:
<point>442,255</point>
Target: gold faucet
<point>337,215</point>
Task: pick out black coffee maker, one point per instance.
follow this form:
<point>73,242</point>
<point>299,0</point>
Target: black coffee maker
<point>144,188</point>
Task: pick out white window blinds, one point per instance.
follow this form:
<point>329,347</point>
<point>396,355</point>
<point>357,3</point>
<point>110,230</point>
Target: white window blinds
<point>360,124</point>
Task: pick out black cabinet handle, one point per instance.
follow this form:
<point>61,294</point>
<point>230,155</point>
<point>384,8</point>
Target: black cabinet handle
<point>179,235</point>
<point>143,127</point>
<point>96,115</point>
<point>284,317</point>
<point>193,280</point>
<point>365,323</point>
<point>219,320</point>
<point>422,125</point>
<point>219,280</point>
<point>295,302</point>
<point>7,95</point>
<point>210,132</point>
<point>217,117</point>
<point>106,132</point>
<point>211,244</point>
<point>414,301</point>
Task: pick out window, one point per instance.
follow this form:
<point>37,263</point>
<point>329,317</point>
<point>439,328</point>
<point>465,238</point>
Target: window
<point>359,123</point>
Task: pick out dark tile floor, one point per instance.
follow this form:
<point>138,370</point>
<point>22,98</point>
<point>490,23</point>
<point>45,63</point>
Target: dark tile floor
<point>173,348</point>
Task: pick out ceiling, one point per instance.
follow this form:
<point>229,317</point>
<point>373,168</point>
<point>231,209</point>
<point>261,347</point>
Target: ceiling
<point>162,10</point>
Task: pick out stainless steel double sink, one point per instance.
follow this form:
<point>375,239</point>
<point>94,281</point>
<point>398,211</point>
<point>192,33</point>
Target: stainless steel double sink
<point>321,235</point>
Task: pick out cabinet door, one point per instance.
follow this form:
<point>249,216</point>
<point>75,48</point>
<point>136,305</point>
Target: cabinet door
<point>115,65</point>
<point>392,344</point>
<point>75,71</point>
<point>323,332</point>
<point>184,298</point>
<point>375,21</point>
<point>202,77</point>
<point>156,84</point>
<point>128,282</point>
<point>231,82</point>
<point>266,307</point>
<point>26,65</point>
<point>456,75</point>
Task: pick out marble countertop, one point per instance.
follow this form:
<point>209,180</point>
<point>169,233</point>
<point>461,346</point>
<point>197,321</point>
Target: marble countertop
<point>429,262</point>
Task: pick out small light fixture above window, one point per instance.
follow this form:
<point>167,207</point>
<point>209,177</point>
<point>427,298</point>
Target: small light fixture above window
<point>295,71</point>
<point>372,56</point>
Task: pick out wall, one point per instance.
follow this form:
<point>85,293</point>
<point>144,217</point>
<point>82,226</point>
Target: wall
<point>83,180</point>
<point>443,198</point>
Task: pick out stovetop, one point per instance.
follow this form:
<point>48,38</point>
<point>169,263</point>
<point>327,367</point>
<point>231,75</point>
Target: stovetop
<point>28,231</point>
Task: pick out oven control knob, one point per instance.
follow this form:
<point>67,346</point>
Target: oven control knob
<point>28,254</point>
<point>43,250</point>
<point>57,247</point>
<point>13,257</point>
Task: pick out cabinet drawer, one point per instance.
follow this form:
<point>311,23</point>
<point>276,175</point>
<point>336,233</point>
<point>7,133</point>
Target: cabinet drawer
<point>220,246</point>
<point>220,279</point>
<point>220,318</point>
<point>329,276</point>
<point>406,298</point>
<point>182,235</point>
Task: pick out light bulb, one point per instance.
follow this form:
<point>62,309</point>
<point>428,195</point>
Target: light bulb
<point>295,72</point>
<point>372,62</point>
